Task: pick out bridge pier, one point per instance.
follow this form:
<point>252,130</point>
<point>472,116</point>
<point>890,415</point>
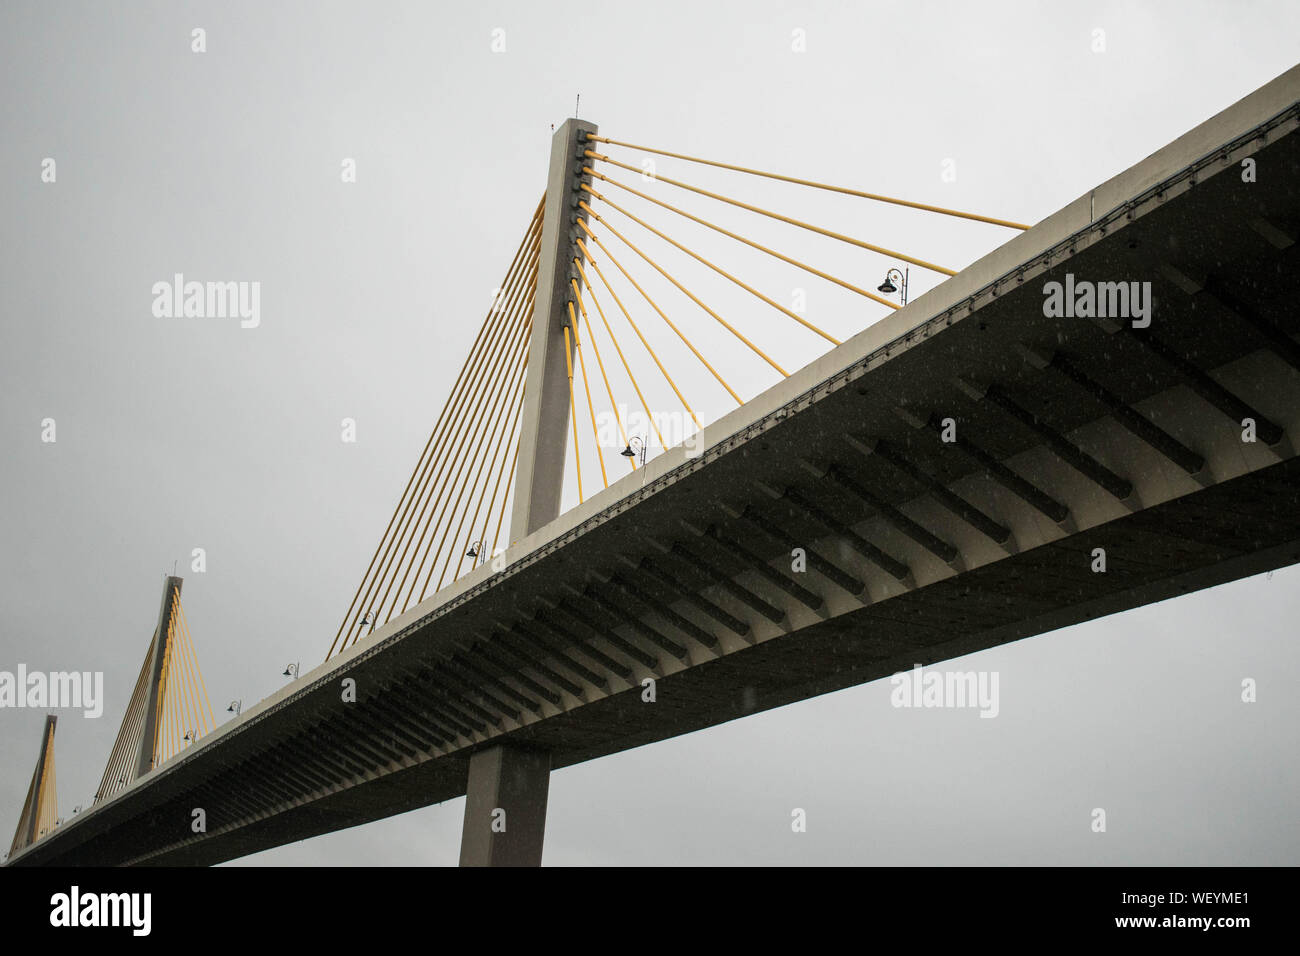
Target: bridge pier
<point>505,807</point>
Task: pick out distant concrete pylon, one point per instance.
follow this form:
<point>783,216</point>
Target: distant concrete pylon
<point>41,808</point>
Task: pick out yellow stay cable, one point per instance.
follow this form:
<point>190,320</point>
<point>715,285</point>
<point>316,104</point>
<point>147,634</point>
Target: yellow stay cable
<point>172,696</point>
<point>816,185</point>
<point>499,457</point>
<point>184,705</point>
<point>466,422</point>
<point>47,806</point>
<point>749,242</point>
<point>211,719</point>
<point>453,468</point>
<point>509,481</point>
<point>577,294</point>
<point>51,796</point>
<point>723,322</point>
<point>457,426</point>
<point>487,412</point>
<point>577,457</point>
<point>622,308</point>
<point>513,405</point>
<point>509,350</point>
<point>603,248</point>
<point>126,732</point>
<point>202,705</point>
<point>893,254</point>
<point>429,444</point>
<point>500,325</point>
<point>487,518</point>
<point>132,739</point>
<point>177,678</point>
<point>191,699</point>
<point>722,272</point>
<point>582,364</point>
<point>161,726</point>
<point>613,338</point>
<point>197,717</point>
<point>158,712</point>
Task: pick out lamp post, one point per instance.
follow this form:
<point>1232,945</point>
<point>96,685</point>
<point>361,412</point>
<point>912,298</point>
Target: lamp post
<point>888,286</point>
<point>637,451</point>
<point>477,553</point>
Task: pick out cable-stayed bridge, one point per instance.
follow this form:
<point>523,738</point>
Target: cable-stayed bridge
<point>1094,416</point>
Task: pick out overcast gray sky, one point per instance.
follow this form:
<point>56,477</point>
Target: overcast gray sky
<point>177,434</point>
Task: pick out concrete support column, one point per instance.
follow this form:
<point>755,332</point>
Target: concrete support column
<point>544,426</point>
<point>505,807</point>
<point>161,642</point>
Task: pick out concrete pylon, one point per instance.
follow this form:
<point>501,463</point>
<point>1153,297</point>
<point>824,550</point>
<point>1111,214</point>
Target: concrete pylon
<point>37,794</point>
<point>543,441</point>
<point>505,807</point>
<point>161,642</point>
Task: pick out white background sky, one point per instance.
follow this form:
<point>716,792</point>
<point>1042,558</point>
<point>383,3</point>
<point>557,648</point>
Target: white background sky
<point>176,434</point>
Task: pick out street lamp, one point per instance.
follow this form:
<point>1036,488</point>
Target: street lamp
<point>291,671</point>
<point>477,553</point>
<point>637,452</point>
<point>888,286</point>
<point>235,707</point>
